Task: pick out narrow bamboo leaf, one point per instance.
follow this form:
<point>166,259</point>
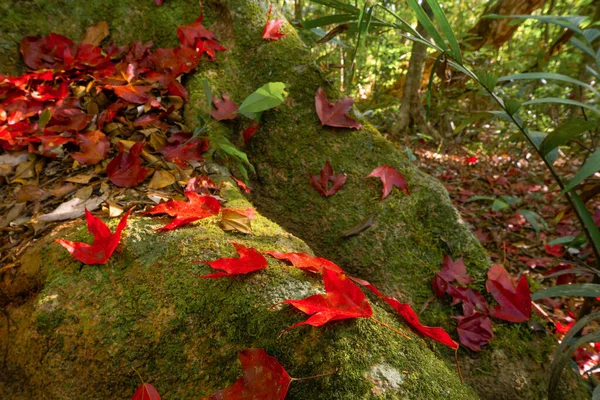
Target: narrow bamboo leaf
<point>576,290</point>
<point>588,221</point>
<point>512,106</point>
<point>591,166</point>
<point>328,20</point>
<point>477,198</point>
<point>538,138</point>
<point>498,205</point>
<point>591,34</point>
<point>570,129</point>
<point>592,72</point>
<point>537,222</point>
<point>562,240</point>
<point>427,24</point>
<point>583,47</point>
<point>558,100</point>
<point>338,5</point>
<point>469,120</point>
<point>549,76</point>
<point>405,26</point>
<point>569,22</point>
<point>364,21</point>
<point>446,28</point>
<point>560,361</point>
<point>501,114</point>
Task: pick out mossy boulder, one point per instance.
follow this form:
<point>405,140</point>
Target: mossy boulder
<point>157,315</point>
<point>78,332</point>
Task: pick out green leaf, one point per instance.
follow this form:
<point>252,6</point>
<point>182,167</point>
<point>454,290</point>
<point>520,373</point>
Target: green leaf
<point>498,205</point>
<point>328,20</point>
<point>477,198</point>
<point>570,129</point>
<point>222,144</point>
<point>446,28</point>
<point>548,76</point>
<point>538,138</point>
<point>512,106</point>
<point>537,222</point>
<point>589,168</point>
<point>44,118</point>
<point>427,24</point>
<point>592,72</point>
<point>364,20</point>
<point>596,393</point>
<point>569,22</point>
<point>264,98</point>
<point>575,290</point>
<point>338,5</point>
<point>583,47</point>
<point>561,240</point>
<point>469,120</point>
<point>591,34</point>
<point>558,100</point>
<point>488,80</point>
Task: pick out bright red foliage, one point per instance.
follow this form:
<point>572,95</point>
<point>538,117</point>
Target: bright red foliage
<point>390,178</point>
<point>125,170</point>
<point>197,37</point>
<point>242,185</point>
<point>406,312</point>
<point>224,109</point>
<point>555,250</point>
<point>321,181</point>
<point>514,302</point>
<point>264,379</point>
<point>198,207</point>
<point>306,262</point>
<point>249,131</point>
<point>343,300</point>
<point>104,243</point>
<point>146,392</point>
<point>272,27</point>
<point>250,260</point>
<point>335,114</point>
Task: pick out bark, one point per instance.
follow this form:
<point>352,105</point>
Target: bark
<point>74,335</point>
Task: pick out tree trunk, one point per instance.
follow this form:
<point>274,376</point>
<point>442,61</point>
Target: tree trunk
<point>76,335</point>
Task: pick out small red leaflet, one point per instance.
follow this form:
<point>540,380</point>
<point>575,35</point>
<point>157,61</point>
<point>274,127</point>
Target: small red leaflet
<point>514,302</point>
<point>250,260</point>
<point>306,262</point>
<point>474,330</point>
<point>146,392</point>
<point>451,270</point>
<point>224,109</point>
<point>249,131</point>
<point>264,379</point>
<point>104,243</point>
<point>335,114</point>
<point>343,300</point>
<point>197,208</point>
<point>321,182</point>
<point>390,178</point>
<point>272,27</point>
<point>125,170</point>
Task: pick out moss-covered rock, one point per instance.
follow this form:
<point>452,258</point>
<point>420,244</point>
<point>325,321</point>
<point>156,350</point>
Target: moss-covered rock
<point>184,332</point>
<point>81,332</point>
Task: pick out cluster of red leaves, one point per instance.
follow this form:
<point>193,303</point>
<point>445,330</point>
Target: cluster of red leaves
<point>45,111</point>
<point>475,326</point>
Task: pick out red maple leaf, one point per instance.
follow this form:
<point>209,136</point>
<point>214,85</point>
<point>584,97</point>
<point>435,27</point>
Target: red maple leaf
<point>272,27</point>
<point>451,271</point>
<point>335,114</point>
<point>250,260</point>
<point>249,131</point>
<point>133,94</point>
<point>406,312</point>
<point>181,148</point>
<point>94,147</point>
<point>224,109</point>
<point>146,392</point>
<point>104,243</point>
<point>125,170</point>
<point>264,379</point>
<point>197,37</point>
<point>471,299</point>
<point>321,181</point>
<point>306,262</point>
<point>514,302</point>
<point>474,330</point>
<point>390,178</point>
<point>198,207</point>
<point>343,300</point>
<point>555,250</point>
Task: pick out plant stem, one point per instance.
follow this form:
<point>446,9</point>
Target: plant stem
<point>390,328</point>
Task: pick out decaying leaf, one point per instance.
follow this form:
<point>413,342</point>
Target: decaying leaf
<point>161,179</point>
<point>225,109</point>
<point>96,33</point>
<point>233,219</point>
<point>72,209</point>
<point>335,114</point>
<point>126,170</point>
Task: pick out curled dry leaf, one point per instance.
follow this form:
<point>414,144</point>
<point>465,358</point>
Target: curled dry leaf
<point>390,177</point>
<point>242,185</point>
<point>272,27</point>
<point>104,243</point>
<point>321,182</point>
<point>235,219</point>
<point>250,260</point>
<point>72,209</point>
<point>198,207</point>
<point>95,34</point>
<point>264,378</point>
<point>224,109</point>
<point>94,147</point>
<point>125,170</point>
<point>335,114</point>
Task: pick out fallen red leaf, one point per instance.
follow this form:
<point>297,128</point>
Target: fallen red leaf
<point>563,279</point>
<point>242,185</point>
<point>514,302</point>
<point>125,170</point>
<point>264,379</point>
<point>200,184</point>
<point>321,182</point>
<point>451,271</point>
<point>471,299</point>
<point>104,243</point>
<point>133,94</point>
<point>197,37</point>
<point>406,312</point>
<point>146,392</point>
<point>306,262</point>
<point>249,131</point>
<point>198,207</point>
<point>94,147</point>
<point>159,2</point>
<point>474,330</point>
<point>390,177</point>
<point>335,114</point>
<point>272,27</point>
<point>250,260</point>
<point>470,160</point>
<point>343,300</point>
<point>555,250</point>
<point>181,148</point>
<point>224,109</point>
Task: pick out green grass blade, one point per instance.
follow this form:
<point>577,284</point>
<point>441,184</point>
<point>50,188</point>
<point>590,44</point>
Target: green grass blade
<point>427,24</point>
<point>589,168</point>
<point>558,100</point>
<point>570,129</point>
<point>576,290</point>
<point>549,76</point>
<point>441,19</point>
<point>328,20</point>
